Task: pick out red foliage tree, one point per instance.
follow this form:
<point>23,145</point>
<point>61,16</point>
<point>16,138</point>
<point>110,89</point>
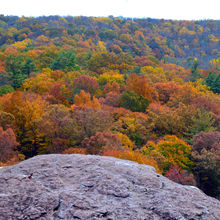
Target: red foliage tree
<point>208,104</point>
<point>91,120</point>
<point>112,99</point>
<point>143,61</point>
<point>86,83</point>
<point>8,144</point>
<point>180,176</point>
<point>101,142</point>
<point>166,90</point>
<point>206,156</point>
<point>59,94</point>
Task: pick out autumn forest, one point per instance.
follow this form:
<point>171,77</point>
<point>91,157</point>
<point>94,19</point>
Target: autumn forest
<point>145,90</point>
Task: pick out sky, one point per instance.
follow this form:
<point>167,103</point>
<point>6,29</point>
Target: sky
<point>166,9</point>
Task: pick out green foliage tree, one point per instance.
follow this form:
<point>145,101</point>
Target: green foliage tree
<point>19,68</point>
<point>202,121</point>
<point>14,66</point>
<point>29,66</point>
<point>5,79</point>
<point>193,63</point>
<point>65,61</point>
<point>46,58</point>
<point>210,79</point>
<point>108,34</point>
<point>216,84</point>
<point>133,101</point>
<point>6,89</point>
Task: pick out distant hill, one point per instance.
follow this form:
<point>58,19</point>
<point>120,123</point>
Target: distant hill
<point>173,41</point>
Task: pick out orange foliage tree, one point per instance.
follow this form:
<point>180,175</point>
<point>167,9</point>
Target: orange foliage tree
<point>114,87</point>
<point>84,99</point>
<point>140,86</point>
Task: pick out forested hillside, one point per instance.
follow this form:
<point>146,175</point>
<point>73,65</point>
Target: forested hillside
<point>139,89</point>
<point>173,41</point>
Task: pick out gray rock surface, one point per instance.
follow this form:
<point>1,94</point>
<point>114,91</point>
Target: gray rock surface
<point>95,187</point>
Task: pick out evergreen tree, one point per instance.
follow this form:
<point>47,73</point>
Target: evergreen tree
<point>6,89</point>
<point>194,75</point>
<point>133,101</point>
<point>193,63</point>
<point>209,81</point>
<point>202,121</point>
<point>19,68</point>
<point>14,66</point>
<point>216,84</point>
<point>65,61</point>
<point>28,67</point>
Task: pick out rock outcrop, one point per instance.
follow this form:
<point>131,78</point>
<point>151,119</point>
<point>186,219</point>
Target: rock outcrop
<point>95,187</point>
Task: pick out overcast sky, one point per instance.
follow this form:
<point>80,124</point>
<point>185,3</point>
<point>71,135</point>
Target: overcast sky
<point>168,9</point>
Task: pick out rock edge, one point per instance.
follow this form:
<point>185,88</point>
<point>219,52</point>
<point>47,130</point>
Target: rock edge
<point>97,187</point>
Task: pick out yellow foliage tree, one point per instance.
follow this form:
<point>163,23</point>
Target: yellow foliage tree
<point>27,109</point>
<point>154,74</point>
<point>101,47</point>
<point>168,152</point>
<point>110,77</point>
<point>40,84</point>
<point>125,141</point>
<point>135,156</point>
